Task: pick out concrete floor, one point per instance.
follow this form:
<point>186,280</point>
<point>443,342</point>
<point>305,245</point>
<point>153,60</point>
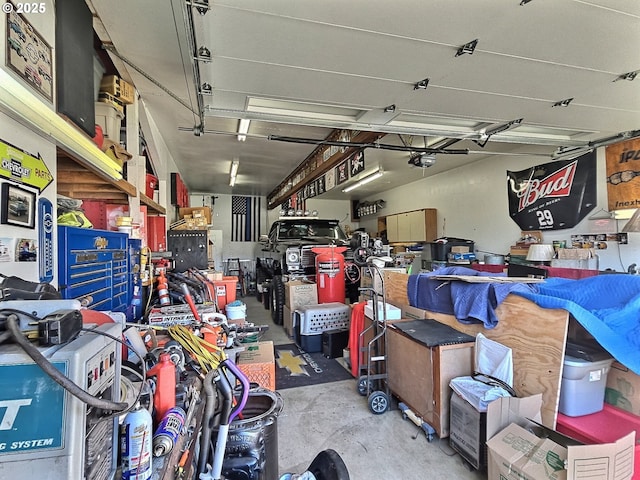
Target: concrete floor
<point>335,416</point>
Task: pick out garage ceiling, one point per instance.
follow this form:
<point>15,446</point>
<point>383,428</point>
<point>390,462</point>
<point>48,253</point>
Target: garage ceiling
<point>301,68</point>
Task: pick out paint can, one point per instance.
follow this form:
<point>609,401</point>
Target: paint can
<point>135,445</point>
<point>167,433</point>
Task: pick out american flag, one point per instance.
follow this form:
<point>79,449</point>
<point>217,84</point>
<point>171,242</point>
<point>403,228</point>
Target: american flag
<point>245,219</point>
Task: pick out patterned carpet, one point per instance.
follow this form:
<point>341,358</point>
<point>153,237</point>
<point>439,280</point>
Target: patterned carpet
<point>297,368</point>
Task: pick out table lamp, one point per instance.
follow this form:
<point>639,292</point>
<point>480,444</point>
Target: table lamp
<point>540,253</point>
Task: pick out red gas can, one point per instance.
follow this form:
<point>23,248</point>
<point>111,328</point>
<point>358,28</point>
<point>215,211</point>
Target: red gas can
<point>330,274</point>
<point>164,397</point>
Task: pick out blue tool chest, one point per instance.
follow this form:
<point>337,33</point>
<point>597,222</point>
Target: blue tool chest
<point>93,266</point>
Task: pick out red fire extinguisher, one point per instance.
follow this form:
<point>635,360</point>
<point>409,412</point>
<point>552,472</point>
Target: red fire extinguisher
<point>330,274</point>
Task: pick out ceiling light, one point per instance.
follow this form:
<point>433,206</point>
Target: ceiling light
<point>563,103</point>
<point>204,54</point>
<point>206,89</point>
<point>627,76</point>
<point>243,129</point>
<point>390,109</point>
<point>421,85</point>
<point>467,48</point>
<point>233,172</point>
<point>369,178</point>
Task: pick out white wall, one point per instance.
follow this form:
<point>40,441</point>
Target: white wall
<point>19,136</point>
<point>472,203</point>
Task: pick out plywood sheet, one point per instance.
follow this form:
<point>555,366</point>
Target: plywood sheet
<point>536,335</point>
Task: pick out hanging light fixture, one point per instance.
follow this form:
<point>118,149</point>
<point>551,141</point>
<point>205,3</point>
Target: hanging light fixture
<point>369,178</point>
<point>243,129</point>
<point>233,172</point>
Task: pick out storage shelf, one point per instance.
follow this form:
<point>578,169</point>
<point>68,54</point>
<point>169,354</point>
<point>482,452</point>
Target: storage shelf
<point>77,180</point>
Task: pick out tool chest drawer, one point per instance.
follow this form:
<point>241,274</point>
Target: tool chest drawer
<point>94,265</point>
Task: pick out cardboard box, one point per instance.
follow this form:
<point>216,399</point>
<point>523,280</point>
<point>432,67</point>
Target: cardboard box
<point>459,249</point>
<point>515,454</point>
<point>214,276</point>
<point>287,321</point>
<point>407,311</point>
<point>257,362</point>
<point>203,213</point>
<point>623,389</point>
<point>116,86</point>
<point>300,294</point>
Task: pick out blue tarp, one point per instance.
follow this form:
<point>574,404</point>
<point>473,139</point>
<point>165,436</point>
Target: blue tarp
<point>607,306</point>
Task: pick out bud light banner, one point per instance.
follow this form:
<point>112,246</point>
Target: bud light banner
<point>553,196</point>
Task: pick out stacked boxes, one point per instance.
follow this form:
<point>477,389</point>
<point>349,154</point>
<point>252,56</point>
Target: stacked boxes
<point>297,294</point>
<point>257,362</point>
<point>118,88</point>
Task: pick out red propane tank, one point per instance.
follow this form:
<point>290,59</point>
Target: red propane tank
<point>330,274</point>
<point>164,397</point>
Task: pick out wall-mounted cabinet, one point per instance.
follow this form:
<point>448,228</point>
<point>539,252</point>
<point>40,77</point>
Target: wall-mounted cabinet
<point>414,226</point>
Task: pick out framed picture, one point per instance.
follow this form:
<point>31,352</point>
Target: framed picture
<point>27,53</point>
<point>18,206</point>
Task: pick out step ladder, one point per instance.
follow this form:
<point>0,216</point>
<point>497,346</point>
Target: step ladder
<point>233,268</point>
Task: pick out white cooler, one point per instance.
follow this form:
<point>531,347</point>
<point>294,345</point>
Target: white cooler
<point>583,385</point>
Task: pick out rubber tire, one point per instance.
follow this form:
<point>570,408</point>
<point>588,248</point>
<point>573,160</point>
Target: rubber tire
<point>362,386</point>
<point>260,279</point>
<point>378,402</point>
<point>266,292</point>
<point>277,300</point>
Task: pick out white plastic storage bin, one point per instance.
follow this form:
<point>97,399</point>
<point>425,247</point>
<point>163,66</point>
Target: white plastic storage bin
<point>392,312</point>
<point>110,119</point>
<point>583,386</point>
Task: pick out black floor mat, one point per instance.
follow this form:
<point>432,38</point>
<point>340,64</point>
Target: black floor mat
<point>297,368</point>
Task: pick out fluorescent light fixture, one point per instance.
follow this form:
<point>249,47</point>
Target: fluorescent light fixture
<point>369,178</point>
<point>23,106</point>
<point>243,129</point>
<point>233,172</point>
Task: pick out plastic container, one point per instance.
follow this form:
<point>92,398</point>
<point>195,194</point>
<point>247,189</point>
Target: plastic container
<point>164,398</point>
<point>583,386</point>
<point>225,291</point>
<point>236,310</point>
<point>440,249</point>
<point>150,185</point>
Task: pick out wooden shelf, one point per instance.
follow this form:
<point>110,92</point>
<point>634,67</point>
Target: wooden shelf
<point>156,207</point>
<point>76,180</point>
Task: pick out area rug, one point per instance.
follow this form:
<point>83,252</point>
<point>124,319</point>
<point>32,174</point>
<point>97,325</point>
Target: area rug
<point>297,368</point>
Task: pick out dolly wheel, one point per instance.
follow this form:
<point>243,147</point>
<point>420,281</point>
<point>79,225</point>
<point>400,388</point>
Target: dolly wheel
<point>362,386</point>
<point>378,402</point>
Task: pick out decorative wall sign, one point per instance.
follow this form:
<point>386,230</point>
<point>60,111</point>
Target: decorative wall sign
<point>623,175</point>
<point>23,167</point>
<point>320,187</point>
<point>28,54</point>
<point>342,173</point>
<point>46,224</point>
<point>356,163</point>
<point>553,196</point>
<point>18,206</point>
<point>330,180</point>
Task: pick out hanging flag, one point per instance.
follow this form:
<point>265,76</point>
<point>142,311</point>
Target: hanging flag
<point>553,196</point>
<point>245,219</point>
<point>356,163</point>
<point>342,173</point>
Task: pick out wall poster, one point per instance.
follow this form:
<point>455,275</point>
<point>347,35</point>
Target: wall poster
<point>27,53</point>
<point>553,196</point>
<point>623,171</point>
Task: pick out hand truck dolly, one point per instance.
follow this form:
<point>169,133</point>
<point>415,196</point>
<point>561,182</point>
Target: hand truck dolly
<point>372,380</point>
